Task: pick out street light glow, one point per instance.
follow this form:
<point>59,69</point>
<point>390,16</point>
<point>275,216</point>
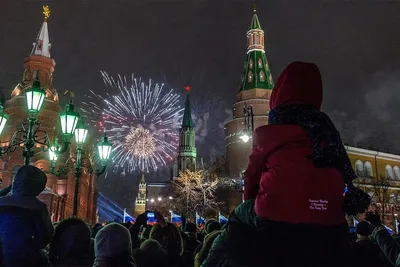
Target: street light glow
<point>152,200</point>
<point>159,199</point>
<point>170,197</point>
<point>245,138</point>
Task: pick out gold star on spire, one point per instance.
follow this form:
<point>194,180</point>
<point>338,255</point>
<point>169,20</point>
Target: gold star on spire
<point>46,12</point>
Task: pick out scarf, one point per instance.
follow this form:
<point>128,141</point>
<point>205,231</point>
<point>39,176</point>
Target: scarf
<point>328,148</point>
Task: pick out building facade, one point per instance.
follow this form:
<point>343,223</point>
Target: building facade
<point>379,175</point>
<point>58,194</point>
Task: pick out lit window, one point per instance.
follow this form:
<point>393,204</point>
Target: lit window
<point>359,166</point>
<point>250,76</point>
<point>259,63</point>
<point>368,169</point>
<point>389,172</point>
<point>396,171</point>
<point>262,76</point>
<point>251,63</point>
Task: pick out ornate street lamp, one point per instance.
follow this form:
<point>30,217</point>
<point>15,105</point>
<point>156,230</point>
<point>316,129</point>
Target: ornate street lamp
<point>52,153</point>
<point>245,137</point>
<point>30,132</point>
<point>34,98</point>
<point>69,119</point>
<point>3,119</point>
<point>81,132</point>
<point>104,149</point>
<point>248,123</point>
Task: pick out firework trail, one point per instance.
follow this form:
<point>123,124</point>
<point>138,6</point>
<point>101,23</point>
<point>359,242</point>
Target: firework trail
<point>141,119</point>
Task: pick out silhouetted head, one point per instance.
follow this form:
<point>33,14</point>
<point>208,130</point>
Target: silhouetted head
<point>29,181</point>
<point>363,229</point>
<point>212,225</point>
<point>190,228</point>
<point>113,241</point>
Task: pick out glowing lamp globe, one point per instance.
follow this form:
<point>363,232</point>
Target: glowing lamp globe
<point>69,119</point>
<point>52,154</point>
<point>81,133</point>
<point>104,149</point>
<point>245,137</point>
<point>35,97</point>
<point>3,119</point>
<point>62,187</point>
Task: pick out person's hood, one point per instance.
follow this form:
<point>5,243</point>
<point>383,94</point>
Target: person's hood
<point>150,245</point>
<point>212,225</point>
<point>299,83</point>
<point>72,238</point>
<point>113,240</point>
<point>29,181</point>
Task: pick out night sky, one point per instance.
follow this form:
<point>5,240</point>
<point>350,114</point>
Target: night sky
<point>203,43</point>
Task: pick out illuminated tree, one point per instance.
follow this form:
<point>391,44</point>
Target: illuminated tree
<point>193,193</point>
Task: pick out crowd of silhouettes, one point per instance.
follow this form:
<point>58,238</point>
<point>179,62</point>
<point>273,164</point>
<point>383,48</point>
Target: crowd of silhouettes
<point>298,195</point>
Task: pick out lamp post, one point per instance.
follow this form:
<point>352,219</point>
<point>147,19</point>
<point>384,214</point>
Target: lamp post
<point>248,123</point>
<point>104,150</point>
<point>30,132</point>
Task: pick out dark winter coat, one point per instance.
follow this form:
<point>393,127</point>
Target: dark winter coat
<point>25,225</point>
<point>205,249</point>
<point>366,253</point>
<point>250,241</point>
<point>281,174</point>
<point>387,244</point>
<point>192,243</point>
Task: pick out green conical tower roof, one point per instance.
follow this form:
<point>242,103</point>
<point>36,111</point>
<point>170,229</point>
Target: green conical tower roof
<point>187,121</point>
<point>255,23</point>
<point>257,74</point>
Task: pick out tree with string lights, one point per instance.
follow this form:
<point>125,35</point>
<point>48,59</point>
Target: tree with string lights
<point>194,193</point>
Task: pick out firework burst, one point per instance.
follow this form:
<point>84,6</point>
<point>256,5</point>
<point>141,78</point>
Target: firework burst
<point>142,121</point>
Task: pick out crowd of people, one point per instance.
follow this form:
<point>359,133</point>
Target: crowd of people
<point>298,191</point>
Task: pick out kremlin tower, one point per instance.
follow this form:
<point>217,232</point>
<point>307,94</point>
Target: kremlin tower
<point>58,194</point>
<point>140,205</point>
<point>255,91</point>
<point>187,146</point>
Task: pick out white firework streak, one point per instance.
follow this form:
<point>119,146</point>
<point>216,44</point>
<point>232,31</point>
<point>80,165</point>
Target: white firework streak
<point>132,104</point>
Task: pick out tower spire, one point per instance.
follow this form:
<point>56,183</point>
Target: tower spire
<point>257,74</point>
<point>187,121</point>
<point>187,147</point>
<point>41,46</point>
<point>142,181</point>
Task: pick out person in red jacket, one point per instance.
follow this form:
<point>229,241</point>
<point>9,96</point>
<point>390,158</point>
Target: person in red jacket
<point>298,167</point>
<point>295,181</point>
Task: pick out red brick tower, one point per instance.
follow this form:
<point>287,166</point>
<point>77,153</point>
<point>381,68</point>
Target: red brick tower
<point>40,61</point>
